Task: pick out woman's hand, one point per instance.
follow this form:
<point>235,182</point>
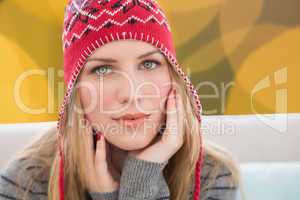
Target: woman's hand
<point>172,138</point>
<point>100,171</point>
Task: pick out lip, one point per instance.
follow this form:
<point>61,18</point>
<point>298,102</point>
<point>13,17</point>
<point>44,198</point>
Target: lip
<point>132,116</point>
<point>133,120</point>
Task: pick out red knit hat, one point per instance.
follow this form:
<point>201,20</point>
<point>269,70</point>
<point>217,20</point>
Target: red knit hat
<point>89,24</point>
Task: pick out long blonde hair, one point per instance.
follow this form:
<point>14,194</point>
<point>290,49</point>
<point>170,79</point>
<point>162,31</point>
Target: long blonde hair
<point>179,172</point>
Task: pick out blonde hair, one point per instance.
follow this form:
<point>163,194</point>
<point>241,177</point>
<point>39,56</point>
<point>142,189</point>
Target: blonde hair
<point>179,172</point>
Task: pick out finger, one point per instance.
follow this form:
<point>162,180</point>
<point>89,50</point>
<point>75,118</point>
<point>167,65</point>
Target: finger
<point>100,148</point>
<point>101,155</point>
<point>110,165</point>
<point>106,181</point>
<point>108,154</point>
<point>180,114</point>
<point>87,134</point>
<point>171,120</point>
<point>89,165</point>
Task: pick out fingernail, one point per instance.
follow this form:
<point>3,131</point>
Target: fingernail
<point>98,136</point>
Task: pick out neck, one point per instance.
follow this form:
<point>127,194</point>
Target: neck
<point>117,157</point>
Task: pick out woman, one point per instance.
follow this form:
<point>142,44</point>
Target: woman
<point>129,124</point>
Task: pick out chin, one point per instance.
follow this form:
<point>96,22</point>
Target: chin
<point>130,142</point>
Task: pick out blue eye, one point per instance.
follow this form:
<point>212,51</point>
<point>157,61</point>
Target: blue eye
<point>151,64</point>
<point>101,70</point>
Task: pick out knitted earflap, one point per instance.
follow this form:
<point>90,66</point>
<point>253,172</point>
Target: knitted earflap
<point>90,24</point>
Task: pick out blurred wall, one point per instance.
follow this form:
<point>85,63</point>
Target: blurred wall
<point>241,55</point>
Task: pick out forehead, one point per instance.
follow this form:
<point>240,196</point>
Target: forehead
<point>124,48</point>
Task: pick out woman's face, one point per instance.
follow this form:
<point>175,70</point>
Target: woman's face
<point>125,77</point>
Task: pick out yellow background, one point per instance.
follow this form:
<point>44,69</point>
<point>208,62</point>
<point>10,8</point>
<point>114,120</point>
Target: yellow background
<point>243,56</point>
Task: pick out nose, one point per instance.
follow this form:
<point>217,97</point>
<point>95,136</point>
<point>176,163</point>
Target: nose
<point>127,93</point>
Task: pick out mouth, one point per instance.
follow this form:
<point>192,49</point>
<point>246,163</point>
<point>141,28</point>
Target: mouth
<point>133,122</point>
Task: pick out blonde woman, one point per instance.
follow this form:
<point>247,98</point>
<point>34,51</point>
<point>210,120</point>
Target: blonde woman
<point>129,126</point>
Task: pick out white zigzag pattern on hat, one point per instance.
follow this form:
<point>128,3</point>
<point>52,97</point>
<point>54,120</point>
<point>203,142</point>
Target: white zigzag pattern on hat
<point>68,42</point>
<point>79,10</point>
<point>82,12</point>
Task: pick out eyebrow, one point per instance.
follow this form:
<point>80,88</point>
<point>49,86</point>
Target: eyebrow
<point>111,60</point>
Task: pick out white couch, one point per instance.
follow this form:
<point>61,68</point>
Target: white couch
<point>267,147</point>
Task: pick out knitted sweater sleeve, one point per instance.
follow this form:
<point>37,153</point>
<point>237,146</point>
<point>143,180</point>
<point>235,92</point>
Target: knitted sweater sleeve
<point>104,195</point>
<point>140,179</point>
<point>14,179</point>
<point>219,186</point>
<point>144,180</point>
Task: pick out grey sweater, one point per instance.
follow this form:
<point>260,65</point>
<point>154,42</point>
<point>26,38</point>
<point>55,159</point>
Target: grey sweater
<point>140,179</point>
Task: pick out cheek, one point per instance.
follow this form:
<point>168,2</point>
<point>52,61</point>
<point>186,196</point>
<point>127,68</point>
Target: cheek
<point>86,96</point>
<point>160,102</point>
<point>164,86</point>
<point>106,95</point>
<point>95,96</point>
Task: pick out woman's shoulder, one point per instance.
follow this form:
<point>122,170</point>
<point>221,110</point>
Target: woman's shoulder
<point>26,166</point>
<point>23,175</point>
<point>219,173</point>
<point>219,165</point>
